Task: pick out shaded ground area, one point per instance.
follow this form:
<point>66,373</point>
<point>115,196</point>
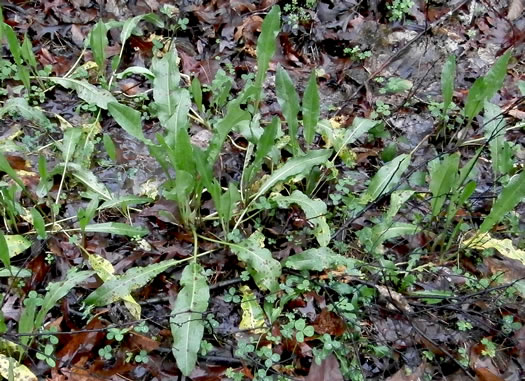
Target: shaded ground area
<point>419,304</point>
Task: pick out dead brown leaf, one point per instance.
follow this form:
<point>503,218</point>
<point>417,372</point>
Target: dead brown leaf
<point>329,322</point>
<point>327,371</point>
<point>406,374</point>
<point>515,9</point>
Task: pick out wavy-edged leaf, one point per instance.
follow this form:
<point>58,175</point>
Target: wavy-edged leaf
<point>386,178</point>
<point>133,279</point>
<point>85,91</point>
<point>448,75</point>
<point>314,210</point>
<point>132,23</point>
<point>316,259</point>
<point>105,271</point>
<point>509,197</point>
<point>266,44</point>
<point>26,111</point>
<point>57,290</point>
<point>293,167</point>
<point>311,108</point>
<point>15,271</point>
<point>166,84</point>
<point>186,320</point>
<point>289,101</point>
<point>129,119</point>
<point>264,269</point>
<point>116,228</point>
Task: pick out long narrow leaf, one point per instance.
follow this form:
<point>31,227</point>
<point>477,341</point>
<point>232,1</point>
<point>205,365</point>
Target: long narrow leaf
<point>187,317</point>
<point>311,109</point>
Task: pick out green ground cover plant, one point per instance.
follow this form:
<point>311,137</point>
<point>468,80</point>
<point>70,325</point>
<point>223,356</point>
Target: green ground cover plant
<point>300,166</point>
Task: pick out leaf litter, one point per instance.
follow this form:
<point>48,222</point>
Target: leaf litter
<point>412,304</point>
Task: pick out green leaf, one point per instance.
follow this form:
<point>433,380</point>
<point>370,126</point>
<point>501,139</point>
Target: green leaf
<point>359,127</point>
<point>22,108</point>
<point>196,92</point>
<point>71,138</point>
<point>105,271</point>
<point>129,119</point>
<point>27,52</point>
<point>87,177</point>
<point>234,115</point>
<point>116,228</point>
<point>509,197</point>
<point>293,167</point>
<point>314,210</point>
<point>448,75</point>
<point>16,244</point>
<point>397,200</point>
<point>443,177</point>
<point>133,279</point>
<point>127,200</point>
<point>264,270</point>
<point>485,87</point>
<point>179,119</point>
<point>13,43</point>
<point>266,45</point>
<point>500,150</point>
<point>228,201</point>
<point>4,252</point>
<point>187,318</point>
<point>289,101</point>
<point>521,85</point>
<point>136,70</point>
<point>5,167</point>
<point>15,271</point>
<point>85,91</point>
<point>98,42</point>
<point>264,146</point>
<point>109,145</point>
<point>57,290</point>
<point>311,109</point>
<point>166,84</point>
<point>132,23</point>
<point>87,214</point>
<point>39,223</point>
<point>386,178</point>
<point>315,259</point>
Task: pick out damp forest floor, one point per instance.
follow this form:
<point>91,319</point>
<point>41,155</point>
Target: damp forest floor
<point>262,190</point>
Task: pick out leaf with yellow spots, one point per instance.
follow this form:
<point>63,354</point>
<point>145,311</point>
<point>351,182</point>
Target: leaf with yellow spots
<point>105,271</point>
<point>10,369</point>
<point>252,313</point>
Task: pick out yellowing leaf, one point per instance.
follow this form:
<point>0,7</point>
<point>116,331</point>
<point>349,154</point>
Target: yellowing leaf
<point>503,246</point>
<point>105,271</point>
<point>17,244</point>
<point>20,372</point>
<point>252,313</point>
